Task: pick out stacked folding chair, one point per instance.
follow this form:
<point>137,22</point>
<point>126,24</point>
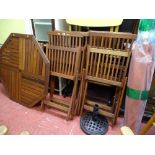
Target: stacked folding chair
<point>65,53</point>
<point>107,63</point>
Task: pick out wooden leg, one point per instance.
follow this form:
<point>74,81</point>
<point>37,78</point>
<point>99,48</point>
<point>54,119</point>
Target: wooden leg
<point>111,29</point>
<point>79,28</point>
<point>81,92</point>
<point>42,105</point>
<point>52,81</point>
<point>73,99</point>
<point>76,28</point>
<point>148,125</point>
<point>120,100</point>
<point>70,27</point>
<point>60,86</point>
<point>116,28</point>
<point>84,96</point>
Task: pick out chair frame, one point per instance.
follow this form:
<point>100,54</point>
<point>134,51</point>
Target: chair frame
<point>107,61</point>
<point>65,63</point>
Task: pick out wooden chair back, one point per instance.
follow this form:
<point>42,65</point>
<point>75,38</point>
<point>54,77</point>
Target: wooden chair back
<point>72,39</point>
<point>107,66</point>
<point>111,40</point>
<point>64,61</point>
<point>24,69</point>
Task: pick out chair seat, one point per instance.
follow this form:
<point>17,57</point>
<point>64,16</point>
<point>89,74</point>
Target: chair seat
<point>3,129</point>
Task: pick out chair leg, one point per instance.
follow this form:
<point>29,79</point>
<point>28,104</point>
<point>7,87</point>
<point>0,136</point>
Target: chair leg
<point>42,105</point>
<point>148,125</point>
<point>81,92</point>
<point>84,97</point>
<point>120,100</point>
<point>52,82</point>
<point>73,99</point>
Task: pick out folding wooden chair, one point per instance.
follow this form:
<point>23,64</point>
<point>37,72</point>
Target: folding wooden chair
<point>106,64</point>
<point>24,69</point>
<point>64,63</point>
<point>70,40</point>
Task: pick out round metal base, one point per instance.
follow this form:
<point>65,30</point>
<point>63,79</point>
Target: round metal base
<point>93,126</point>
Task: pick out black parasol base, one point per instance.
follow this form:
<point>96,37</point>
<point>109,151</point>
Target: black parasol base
<point>94,124</point>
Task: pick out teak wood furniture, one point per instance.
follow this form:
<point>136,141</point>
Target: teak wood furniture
<point>93,57</point>
<point>66,55</point>
<point>24,69</point>
<point>64,64</point>
<point>107,62</point>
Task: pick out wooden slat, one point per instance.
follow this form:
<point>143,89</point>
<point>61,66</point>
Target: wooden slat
<point>101,105</point>
<point>63,61</point>
<point>109,67</point>
<point>70,61</point>
<point>122,44</point>
<point>66,62</point>
<point>90,62</point>
<point>113,67</point>
<point>98,64</point>
<point>108,114</point>
<point>33,77</point>
<point>118,44</point>
<point>121,69</point>
<point>60,66</point>
<point>31,82</point>
<point>100,80</point>
<point>102,64</point>
<point>26,99</point>
<point>94,64</point>
<point>109,52</point>
<point>57,60</point>
<point>20,53</point>
<point>118,65</point>
<point>126,66</point>
<point>56,106</point>
<point>73,63</point>
<point>35,89</point>
<point>71,77</point>
<point>112,34</point>
<point>110,40</point>
<point>105,68</point>
<point>23,55</point>
<point>35,62</point>
<point>102,41</point>
<point>30,94</point>
<point>54,60</point>
<point>61,101</point>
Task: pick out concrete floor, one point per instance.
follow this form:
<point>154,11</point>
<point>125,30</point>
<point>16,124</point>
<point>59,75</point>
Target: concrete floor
<point>19,118</point>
